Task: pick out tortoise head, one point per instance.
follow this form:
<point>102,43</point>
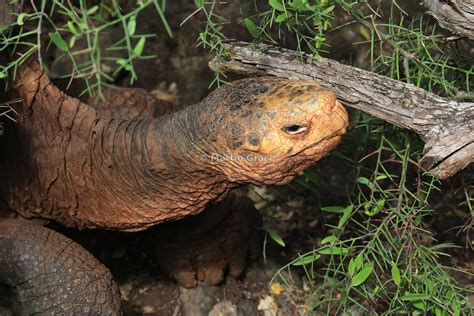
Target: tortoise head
<point>266,130</point>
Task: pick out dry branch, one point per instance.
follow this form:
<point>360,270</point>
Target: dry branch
<point>445,125</point>
<point>455,15</point>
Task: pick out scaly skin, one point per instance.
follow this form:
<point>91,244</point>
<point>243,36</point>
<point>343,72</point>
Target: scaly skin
<point>204,247</point>
<point>71,165</point>
<point>51,274</point>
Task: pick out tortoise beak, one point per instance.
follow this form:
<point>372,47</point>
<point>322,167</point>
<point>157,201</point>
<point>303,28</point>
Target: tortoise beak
<point>337,121</point>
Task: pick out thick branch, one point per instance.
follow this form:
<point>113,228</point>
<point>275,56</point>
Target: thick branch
<point>445,125</point>
<point>455,15</point>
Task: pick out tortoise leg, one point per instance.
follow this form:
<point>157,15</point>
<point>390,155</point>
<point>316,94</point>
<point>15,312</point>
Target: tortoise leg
<point>51,274</point>
<point>203,247</point>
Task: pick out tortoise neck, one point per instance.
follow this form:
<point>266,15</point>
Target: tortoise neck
<point>153,168</point>
<point>176,143</point>
<point>80,169</point>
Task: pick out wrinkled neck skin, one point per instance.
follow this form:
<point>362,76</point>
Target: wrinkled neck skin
<point>69,165</point>
<point>177,159</point>
<point>156,168</point>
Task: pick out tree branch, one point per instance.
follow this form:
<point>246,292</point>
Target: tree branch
<point>445,125</point>
<point>454,15</point>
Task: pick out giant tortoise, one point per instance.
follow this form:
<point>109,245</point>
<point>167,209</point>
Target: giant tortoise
<point>89,167</point>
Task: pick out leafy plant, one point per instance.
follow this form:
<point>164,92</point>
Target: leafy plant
<point>306,20</point>
<point>67,23</point>
<point>378,255</point>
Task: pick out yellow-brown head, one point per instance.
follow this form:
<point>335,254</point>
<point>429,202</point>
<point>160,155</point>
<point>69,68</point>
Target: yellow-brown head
<point>266,130</point>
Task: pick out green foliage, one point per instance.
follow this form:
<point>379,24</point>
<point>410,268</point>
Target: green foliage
<point>379,255</point>
<point>275,236</point>
<point>212,36</point>
<point>412,49</point>
<point>67,23</point>
<point>306,21</point>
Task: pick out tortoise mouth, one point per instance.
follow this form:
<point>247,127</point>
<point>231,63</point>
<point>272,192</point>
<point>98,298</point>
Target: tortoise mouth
<point>333,136</point>
<point>339,117</point>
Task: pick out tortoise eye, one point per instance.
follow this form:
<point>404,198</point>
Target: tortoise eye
<point>294,129</point>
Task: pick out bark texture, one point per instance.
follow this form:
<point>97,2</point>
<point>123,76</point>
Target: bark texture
<point>454,15</point>
<point>445,125</point>
<point>52,275</point>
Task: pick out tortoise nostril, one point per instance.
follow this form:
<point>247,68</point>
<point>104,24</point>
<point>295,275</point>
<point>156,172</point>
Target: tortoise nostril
<point>294,129</point>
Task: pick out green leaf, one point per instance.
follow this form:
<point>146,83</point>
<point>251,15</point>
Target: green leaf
<point>430,285</point>
<point>395,274</point>
<point>138,50</point>
<point>132,25</point>
<point>198,3</point>
<point>333,209</point>
<point>275,4</point>
<point>21,18</point>
<point>124,63</point>
<point>71,27</point>
<point>58,41</point>
<point>352,268</point>
<point>360,277</point>
<point>274,235</point>
<point>420,305</point>
<point>377,209</point>
<point>456,309</point>
<point>3,74</point>
<point>363,180</point>
<point>415,297</point>
<point>345,215</point>
<point>252,28</point>
<point>298,5</point>
<point>364,32</point>
<point>310,7</point>
<point>72,41</point>
<point>417,220</point>
<point>202,36</point>
<point>329,239</point>
<point>327,10</point>
<point>93,10</point>
<point>376,290</point>
<point>358,262</point>
<point>306,260</point>
<point>83,26</point>
<point>281,18</point>
<point>334,251</point>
